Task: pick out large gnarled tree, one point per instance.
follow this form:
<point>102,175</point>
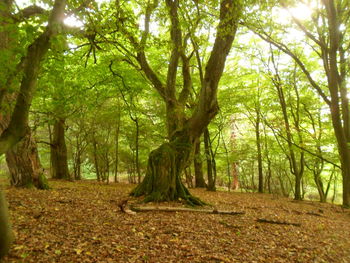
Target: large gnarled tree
<point>166,163</point>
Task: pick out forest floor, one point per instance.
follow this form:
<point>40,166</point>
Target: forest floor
<point>81,222</point>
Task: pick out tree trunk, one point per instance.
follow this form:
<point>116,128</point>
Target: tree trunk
<point>163,176</point>
<point>259,154</point>
<point>59,163</point>
<point>188,177</point>
<point>294,167</point>
<point>77,158</point>
<point>198,166</point>
<point>96,161</point>
<point>77,168</point>
<point>117,148</point>
<point>24,164</point>
<point>6,235</point>
<point>234,171</point>
<point>137,146</point>
<point>23,161</point>
<point>210,165</point>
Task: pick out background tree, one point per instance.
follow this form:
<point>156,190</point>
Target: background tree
<point>328,43</point>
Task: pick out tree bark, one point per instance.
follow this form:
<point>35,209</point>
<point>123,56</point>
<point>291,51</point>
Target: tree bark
<point>210,165</point>
<point>117,130</point>
<point>259,154</point>
<point>137,146</point>
<point>77,159</point>
<point>6,235</point>
<point>59,163</point>
<point>23,160</point>
<point>24,164</point>
<point>96,159</point>
<point>198,166</point>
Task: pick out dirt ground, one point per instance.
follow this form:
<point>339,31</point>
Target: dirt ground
<point>81,222</point>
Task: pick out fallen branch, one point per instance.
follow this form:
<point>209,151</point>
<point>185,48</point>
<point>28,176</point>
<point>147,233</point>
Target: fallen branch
<point>263,220</point>
<point>182,209</point>
<point>313,214</point>
<point>123,205</point>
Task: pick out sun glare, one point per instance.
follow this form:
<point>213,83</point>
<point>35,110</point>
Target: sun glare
<point>301,12</point>
<point>73,21</point>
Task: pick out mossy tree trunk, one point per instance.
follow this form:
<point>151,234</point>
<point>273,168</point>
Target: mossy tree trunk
<point>24,164</point>
<point>163,177</point>
<point>23,159</point>
<point>167,163</point>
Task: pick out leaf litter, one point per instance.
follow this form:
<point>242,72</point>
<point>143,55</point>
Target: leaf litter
<point>81,222</point>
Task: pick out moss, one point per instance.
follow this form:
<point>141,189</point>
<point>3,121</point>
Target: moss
<point>163,177</point>
<point>43,182</point>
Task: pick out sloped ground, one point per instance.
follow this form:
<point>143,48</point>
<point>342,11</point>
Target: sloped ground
<point>81,222</point>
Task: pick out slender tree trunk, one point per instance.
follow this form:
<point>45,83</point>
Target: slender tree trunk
<point>228,168</point>
<point>137,146</point>
<point>77,159</point>
<point>59,163</point>
<point>234,165</point>
<point>292,158</point>
<point>259,154</point>
<point>107,167</point>
<point>117,148</point>
<point>188,176</point>
<point>211,184</point>
<point>198,166</point>
<point>77,171</point>
<point>95,155</point>
<point>235,181</point>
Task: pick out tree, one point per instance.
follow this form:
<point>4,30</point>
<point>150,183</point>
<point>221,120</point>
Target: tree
<point>59,164</point>
<point>165,164</point>
<point>328,41</point>
<point>30,64</point>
